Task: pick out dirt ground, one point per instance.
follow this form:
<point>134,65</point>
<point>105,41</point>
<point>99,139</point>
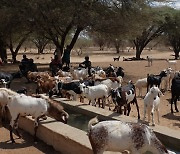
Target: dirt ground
<point>133,71</point>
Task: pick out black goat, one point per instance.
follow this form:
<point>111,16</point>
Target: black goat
<point>8,77</point>
<point>120,72</point>
<point>110,71</point>
<point>22,91</point>
<point>116,58</point>
<point>72,87</point>
<point>155,79</point>
<point>175,92</point>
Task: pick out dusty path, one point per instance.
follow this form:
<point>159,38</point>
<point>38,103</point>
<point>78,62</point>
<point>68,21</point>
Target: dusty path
<point>24,145</point>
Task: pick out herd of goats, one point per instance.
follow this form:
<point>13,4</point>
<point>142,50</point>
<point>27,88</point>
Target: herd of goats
<point>104,85</point>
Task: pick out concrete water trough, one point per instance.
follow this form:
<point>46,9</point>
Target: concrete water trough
<point>69,140</point>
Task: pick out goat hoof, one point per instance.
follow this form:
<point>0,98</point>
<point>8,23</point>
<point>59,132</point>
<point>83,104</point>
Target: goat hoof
<point>13,142</point>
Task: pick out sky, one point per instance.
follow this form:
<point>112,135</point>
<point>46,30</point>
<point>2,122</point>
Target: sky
<point>174,3</point>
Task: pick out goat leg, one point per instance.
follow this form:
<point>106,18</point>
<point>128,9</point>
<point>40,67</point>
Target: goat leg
<point>137,107</point>
<point>175,104</point>
<point>12,125</point>
<point>172,101</point>
<point>36,127</point>
<point>11,134</point>
<point>128,109</point>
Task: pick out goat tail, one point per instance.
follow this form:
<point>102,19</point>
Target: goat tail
<point>92,122</point>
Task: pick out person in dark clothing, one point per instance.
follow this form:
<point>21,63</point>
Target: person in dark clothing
<point>55,65</point>
<point>66,56</point>
<point>32,67</point>
<point>24,64</point>
<point>86,64</point>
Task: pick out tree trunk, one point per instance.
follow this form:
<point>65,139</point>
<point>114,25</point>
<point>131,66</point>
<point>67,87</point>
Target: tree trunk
<point>3,54</point>
<point>117,49</point>
<point>138,54</point>
<point>14,57</point>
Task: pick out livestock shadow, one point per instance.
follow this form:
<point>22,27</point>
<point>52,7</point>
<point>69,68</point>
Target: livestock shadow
<point>26,141</point>
<point>171,116</point>
<point>176,124</point>
<point>83,104</point>
<point>169,100</point>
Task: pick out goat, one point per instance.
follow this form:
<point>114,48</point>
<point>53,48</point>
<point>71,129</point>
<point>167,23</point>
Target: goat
<point>22,91</point>
<point>44,85</point>
<point>124,96</point>
<point>171,63</point>
<point>8,77</point>
<point>77,74</point>
<point>95,92</point>
<point>116,58</point>
<point>33,76</point>
<point>175,92</point>
<point>166,80</point>
<point>120,72</point>
<point>73,88</point>
<point>110,71</point>
<point>4,99</point>
<point>63,73</point>
<point>150,60</point>
<point>4,82</point>
<point>22,105</point>
<point>155,79</point>
<point>151,103</point>
<point>141,83</point>
<point>120,136</point>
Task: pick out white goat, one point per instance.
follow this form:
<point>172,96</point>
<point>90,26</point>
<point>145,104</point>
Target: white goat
<point>63,73</point>
<point>141,83</point>
<point>101,73</point>
<point>22,105</point>
<point>168,79</point>
<point>151,103</point>
<point>150,60</point>
<point>79,74</point>
<point>171,63</point>
<point>4,94</point>
<point>95,92</point>
<point>111,84</point>
<point>120,136</point>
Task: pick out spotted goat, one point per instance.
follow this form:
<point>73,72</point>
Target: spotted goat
<point>120,136</point>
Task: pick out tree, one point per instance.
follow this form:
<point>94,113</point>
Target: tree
<point>172,31</point>
<point>153,28</point>
<point>59,19</point>
<point>40,43</point>
<point>14,27</point>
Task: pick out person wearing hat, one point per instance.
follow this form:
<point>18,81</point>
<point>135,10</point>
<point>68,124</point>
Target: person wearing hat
<point>86,64</point>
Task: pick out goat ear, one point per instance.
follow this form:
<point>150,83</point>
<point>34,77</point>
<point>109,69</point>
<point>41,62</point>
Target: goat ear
<point>160,93</point>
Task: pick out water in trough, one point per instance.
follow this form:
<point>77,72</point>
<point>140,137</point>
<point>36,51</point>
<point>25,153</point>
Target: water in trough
<point>80,121</point>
